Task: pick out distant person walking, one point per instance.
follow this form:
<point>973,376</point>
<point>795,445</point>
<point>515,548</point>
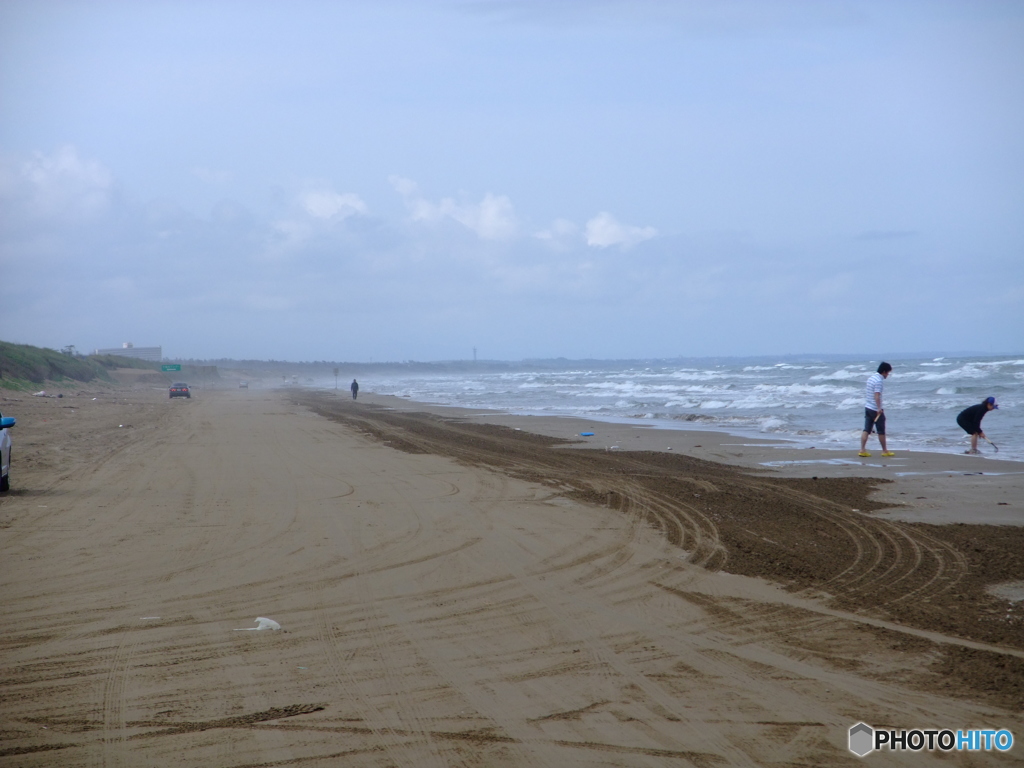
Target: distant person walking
<point>970,421</point>
<point>874,414</point>
<point>355,389</point>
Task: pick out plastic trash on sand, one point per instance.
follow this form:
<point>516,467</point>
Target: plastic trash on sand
<point>261,623</point>
<point>586,434</point>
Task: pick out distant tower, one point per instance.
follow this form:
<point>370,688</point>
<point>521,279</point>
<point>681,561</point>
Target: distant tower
<point>474,354</point>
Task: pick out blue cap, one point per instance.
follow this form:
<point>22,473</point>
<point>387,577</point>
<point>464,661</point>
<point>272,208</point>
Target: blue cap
<point>991,401</point>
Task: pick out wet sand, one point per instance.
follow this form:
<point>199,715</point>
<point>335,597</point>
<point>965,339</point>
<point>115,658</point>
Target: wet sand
<point>929,487</point>
<point>453,590</point>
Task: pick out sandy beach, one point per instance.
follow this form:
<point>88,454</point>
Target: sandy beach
<point>471,588</point>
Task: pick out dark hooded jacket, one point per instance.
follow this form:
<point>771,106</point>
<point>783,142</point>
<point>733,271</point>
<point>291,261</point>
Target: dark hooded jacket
<point>970,418</point>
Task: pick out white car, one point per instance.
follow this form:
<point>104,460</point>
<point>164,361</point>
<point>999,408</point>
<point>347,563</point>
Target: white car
<point>5,452</point>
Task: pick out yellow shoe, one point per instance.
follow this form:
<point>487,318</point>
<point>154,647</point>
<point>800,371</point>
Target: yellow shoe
<point>864,453</point>
<point>889,453</point>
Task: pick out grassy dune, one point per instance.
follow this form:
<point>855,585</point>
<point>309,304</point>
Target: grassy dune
<point>23,366</point>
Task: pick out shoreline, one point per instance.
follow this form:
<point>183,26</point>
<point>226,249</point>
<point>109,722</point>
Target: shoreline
<point>924,487</point>
<point>815,404</point>
<point>784,440</point>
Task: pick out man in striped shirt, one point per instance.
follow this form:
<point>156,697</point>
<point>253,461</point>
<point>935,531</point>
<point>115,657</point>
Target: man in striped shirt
<point>874,415</point>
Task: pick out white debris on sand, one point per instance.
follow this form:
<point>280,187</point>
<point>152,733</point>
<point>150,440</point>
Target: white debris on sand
<point>262,623</point>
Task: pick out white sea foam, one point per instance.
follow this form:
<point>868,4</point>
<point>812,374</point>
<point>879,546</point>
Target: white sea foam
<point>844,374</point>
<point>801,389</point>
<point>966,372</point>
<point>699,375</point>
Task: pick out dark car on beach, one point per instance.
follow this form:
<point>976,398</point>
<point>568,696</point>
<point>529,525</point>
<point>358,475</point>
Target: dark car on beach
<point>180,390</point>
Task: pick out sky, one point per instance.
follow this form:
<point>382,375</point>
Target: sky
<point>397,180</point>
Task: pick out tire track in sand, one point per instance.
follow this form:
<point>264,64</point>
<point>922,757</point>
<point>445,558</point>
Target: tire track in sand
<point>884,565</point>
<point>370,634</point>
<point>115,699</point>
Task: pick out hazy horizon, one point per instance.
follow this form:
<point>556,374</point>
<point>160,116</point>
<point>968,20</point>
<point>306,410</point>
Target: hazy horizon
<point>806,356</point>
<point>592,179</point>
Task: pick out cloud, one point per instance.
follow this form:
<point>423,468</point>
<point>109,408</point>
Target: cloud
<point>314,212</point>
<point>560,228</point>
<point>404,187</point>
<point>605,230</point>
<point>493,218</point>
<point>328,204</point>
<point>60,186</point>
<point>561,235</point>
<point>281,279</point>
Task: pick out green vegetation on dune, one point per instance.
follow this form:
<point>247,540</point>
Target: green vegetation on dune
<point>111,362</point>
<point>23,366</point>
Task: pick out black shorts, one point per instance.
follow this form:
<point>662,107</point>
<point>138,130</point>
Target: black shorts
<point>871,424</point>
<point>968,426</point>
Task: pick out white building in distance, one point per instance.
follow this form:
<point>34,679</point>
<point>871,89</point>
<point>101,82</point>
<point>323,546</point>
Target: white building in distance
<point>152,354</point>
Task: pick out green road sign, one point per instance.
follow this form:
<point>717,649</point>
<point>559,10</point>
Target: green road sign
<point>170,367</point>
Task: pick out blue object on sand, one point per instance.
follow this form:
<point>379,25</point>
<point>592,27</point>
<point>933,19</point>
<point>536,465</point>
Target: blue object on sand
<point>586,434</point>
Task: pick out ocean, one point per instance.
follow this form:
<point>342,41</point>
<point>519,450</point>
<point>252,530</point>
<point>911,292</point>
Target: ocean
<point>812,403</point>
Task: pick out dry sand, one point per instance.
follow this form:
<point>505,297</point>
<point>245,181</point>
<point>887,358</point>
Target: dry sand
<point>464,589</point>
